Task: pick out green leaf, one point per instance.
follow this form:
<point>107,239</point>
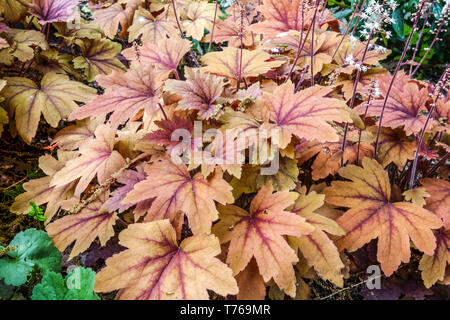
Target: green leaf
<point>78,285</point>
<point>52,287</point>
<point>399,24</point>
<point>33,248</point>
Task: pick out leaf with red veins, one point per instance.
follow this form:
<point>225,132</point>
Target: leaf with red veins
<point>99,56</point>
<point>259,233</point>
<point>199,92</point>
<point>175,191</point>
<point>48,11</point>
<point>433,266</point>
<point>153,29</point>
<point>97,158</point>
<point>40,191</point>
<point>109,19</point>
<point>371,216</point>
<point>394,146</point>
<point>168,128</point>
<point>165,55</point>
<point>71,137</point>
<point>54,98</point>
<point>279,16</point>
<point>129,178</point>
<point>439,201</point>
<point>156,267</point>
<point>83,228</point>
<point>329,155</point>
<point>126,94</point>
<point>404,106</point>
<point>227,63</point>
<point>305,114</point>
<point>318,249</point>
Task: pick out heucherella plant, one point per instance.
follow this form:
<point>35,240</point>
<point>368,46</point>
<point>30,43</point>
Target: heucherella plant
<point>242,150</point>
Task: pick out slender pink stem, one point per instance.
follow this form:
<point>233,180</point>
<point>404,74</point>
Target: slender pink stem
<point>214,25</point>
<point>164,112</point>
<point>397,68</point>
<point>444,80</point>
<point>358,17</point>
<point>346,30</point>
<point>355,86</point>
<point>182,34</point>
<point>241,50</point>
<point>420,37</point>
<point>441,25</point>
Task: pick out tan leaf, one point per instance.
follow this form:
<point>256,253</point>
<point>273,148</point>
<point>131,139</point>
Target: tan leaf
<point>155,267</point>
<point>439,201</point>
<point>259,233</point>
<point>55,99</point>
<point>99,57</point>
<point>227,63</point>
<point>175,191</point>
<point>199,92</point>
<point>305,114</point>
<point>153,29</point>
<point>165,55</point>
<point>318,249</point>
<point>97,158</point>
<point>83,227</point>
<point>372,215</point>
<point>433,266</point>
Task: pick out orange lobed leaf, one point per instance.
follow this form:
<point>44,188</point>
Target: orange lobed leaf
<point>155,267</point>
<point>329,155</point>
<point>416,196</point>
<point>394,146</point>
<point>177,194</point>
<point>372,215</point>
<point>165,55</point>
<point>126,94</point>
<point>227,63</point>
<point>97,158</point>
<point>259,233</point>
<point>433,266</point>
<point>318,249</point>
<point>83,228</point>
<point>439,200</point>
<point>305,114</point>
